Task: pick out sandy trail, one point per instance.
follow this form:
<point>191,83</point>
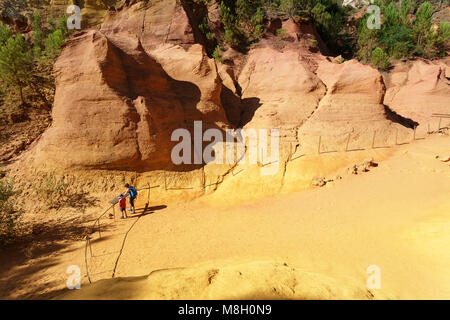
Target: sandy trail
<point>315,244</point>
<point>397,217</point>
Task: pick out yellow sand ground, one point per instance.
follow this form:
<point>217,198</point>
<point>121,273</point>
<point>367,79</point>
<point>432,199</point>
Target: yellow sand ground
<point>313,244</point>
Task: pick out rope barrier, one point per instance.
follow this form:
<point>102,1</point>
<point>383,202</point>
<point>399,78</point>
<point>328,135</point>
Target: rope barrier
<point>204,186</point>
<point>88,240</point>
<point>97,221</point>
<point>85,258</point>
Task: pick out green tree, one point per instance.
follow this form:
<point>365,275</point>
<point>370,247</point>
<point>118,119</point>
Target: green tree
<point>367,39</point>
<point>398,41</point>
<point>329,18</point>
<point>391,16</point>
<point>229,20</point>
<point>422,24</point>
<point>5,34</point>
<point>288,7</point>
<point>380,59</point>
<point>53,43</point>
<point>52,24</point>
<point>38,34</point>
<point>62,25</point>
<point>396,35</point>
<point>442,42</point>
<point>16,64</point>
<point>406,8</point>
<point>243,9</point>
<point>217,54</point>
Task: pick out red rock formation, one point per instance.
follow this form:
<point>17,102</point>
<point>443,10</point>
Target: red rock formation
<point>353,104</point>
<point>122,90</point>
<point>280,89</point>
<point>418,89</point>
<point>116,107</point>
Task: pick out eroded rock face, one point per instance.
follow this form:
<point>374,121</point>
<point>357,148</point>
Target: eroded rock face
<point>354,97</point>
<point>156,24</point>
<point>351,114</point>
<point>418,89</point>
<point>279,90</point>
<point>123,89</point>
<point>116,106</point>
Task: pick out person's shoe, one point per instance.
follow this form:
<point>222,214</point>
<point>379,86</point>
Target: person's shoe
<point>122,217</point>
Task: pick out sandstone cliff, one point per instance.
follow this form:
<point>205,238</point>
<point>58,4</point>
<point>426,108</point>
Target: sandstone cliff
<point>123,88</point>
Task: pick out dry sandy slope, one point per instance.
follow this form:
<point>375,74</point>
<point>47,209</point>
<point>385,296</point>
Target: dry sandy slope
<point>312,244</point>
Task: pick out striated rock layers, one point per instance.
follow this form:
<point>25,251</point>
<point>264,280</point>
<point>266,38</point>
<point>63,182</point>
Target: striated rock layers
<point>418,89</point>
<point>354,99</point>
<point>123,89</point>
<point>116,107</point>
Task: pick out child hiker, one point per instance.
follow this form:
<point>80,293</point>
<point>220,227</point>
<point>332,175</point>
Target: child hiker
<point>132,193</point>
<point>123,206</point>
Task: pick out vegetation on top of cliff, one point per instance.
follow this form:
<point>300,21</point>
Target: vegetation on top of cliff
<point>244,21</point>
<point>407,30</point>
<point>26,64</point>
<point>407,27</point>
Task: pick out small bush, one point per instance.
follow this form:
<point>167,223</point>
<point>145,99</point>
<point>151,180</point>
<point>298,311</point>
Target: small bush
<point>53,44</point>
<point>56,194</point>
<point>52,190</point>
<point>443,38</point>
<point>217,54</point>
<point>380,59</point>
<point>5,34</point>
<point>339,60</point>
<point>8,215</point>
<point>281,33</point>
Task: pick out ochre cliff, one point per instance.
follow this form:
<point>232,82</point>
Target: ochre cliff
<point>122,89</point>
<point>419,88</point>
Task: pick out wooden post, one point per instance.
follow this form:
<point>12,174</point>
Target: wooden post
<point>203,182</point>
<point>440,121</point>
<point>373,138</point>
<point>348,141</point>
<point>165,182</point>
<point>148,195</point>
<point>114,213</point>
<point>320,141</point>
<point>415,129</point>
<point>428,132</point>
